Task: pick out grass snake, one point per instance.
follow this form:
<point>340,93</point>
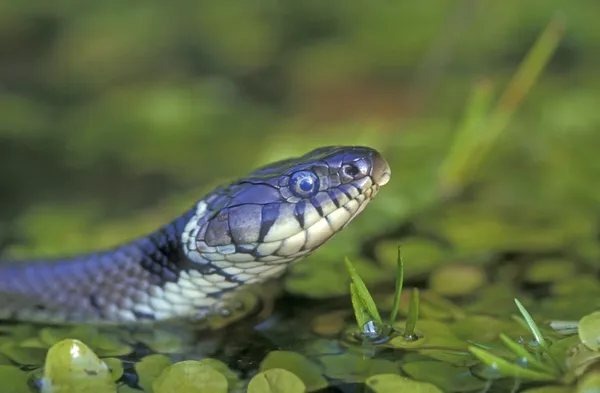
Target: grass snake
<point>243,233</point>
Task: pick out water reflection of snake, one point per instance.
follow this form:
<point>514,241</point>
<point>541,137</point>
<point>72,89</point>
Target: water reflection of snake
<point>244,233</point>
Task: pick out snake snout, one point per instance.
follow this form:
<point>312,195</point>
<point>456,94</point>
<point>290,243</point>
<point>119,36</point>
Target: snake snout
<point>380,169</point>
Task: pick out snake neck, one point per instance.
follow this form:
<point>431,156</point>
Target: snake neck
<point>160,253</point>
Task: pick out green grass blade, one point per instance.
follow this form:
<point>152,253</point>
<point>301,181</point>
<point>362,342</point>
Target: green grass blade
<point>360,312</point>
<point>509,369</point>
<point>523,353</point>
<point>524,78</point>
<point>413,314</point>
<point>537,334</point>
<point>363,295</point>
<point>455,168</point>
<point>398,291</point>
<point>479,132</point>
<point>532,326</point>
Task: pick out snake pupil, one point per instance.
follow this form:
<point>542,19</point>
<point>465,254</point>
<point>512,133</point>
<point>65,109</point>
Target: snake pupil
<point>304,183</point>
<point>351,170</point>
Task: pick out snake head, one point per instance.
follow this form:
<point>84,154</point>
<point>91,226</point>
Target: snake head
<point>253,228</point>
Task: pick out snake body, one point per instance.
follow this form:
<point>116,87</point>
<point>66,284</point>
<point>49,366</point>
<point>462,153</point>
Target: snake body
<point>244,233</point>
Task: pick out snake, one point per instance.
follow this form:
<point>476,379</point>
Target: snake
<point>243,233</point>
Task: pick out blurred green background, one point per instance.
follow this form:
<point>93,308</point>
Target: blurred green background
<point>117,116</point>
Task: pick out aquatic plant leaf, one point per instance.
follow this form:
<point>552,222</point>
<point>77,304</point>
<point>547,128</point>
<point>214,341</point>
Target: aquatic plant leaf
<point>434,300</point>
<point>363,294</point>
<point>563,348</point>
<point>115,367</point>
<point>4,360</point>
<point>496,300</point>
<point>190,376</point>
<point>550,271</point>
<point>353,368</point>
<point>525,356</point>
<point>551,389</point>
<point>483,371</point>
<point>580,358</point>
<point>457,280</point>
<point>413,314</point>
<point>85,334</point>
<point>532,325</point>
<point>71,366</point>
<point>589,383</point>
<point>565,328</point>
<point>485,329</point>
<point>392,383</point>
<point>398,288</point>
<point>276,380</point>
<point>149,368</point>
<point>431,333</point>
<point>310,374</point>
<point>233,379</point>
<point>24,356</point>
<point>510,369</point>
<point>13,380</point>
<point>160,341</point>
<point>127,389</point>
<point>361,313</point>
<point>33,342</point>
<point>110,346</point>
<point>19,332</point>
<point>447,377</point>
<point>425,254</point>
<point>331,323</point>
<point>589,330</point>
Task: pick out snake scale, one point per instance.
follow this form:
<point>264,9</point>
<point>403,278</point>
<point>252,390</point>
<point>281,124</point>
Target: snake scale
<point>247,232</point>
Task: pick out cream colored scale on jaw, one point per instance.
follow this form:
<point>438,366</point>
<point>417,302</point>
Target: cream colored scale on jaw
<point>190,231</point>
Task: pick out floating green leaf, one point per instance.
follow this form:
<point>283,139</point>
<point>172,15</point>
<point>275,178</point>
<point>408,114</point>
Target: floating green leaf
<point>589,330</point>
<point>276,380</point>
<point>232,378</point>
<point>589,383</point>
<point>109,346</point>
<point>13,380</point>
<point>551,389</point>
<point>392,383</point>
<point>190,376</point>
<point>71,367</point>
<point>457,280</point>
<point>115,366</point>
<point>160,341</point>
<point>446,376</point>
<point>310,374</point>
<point>24,356</point>
<point>149,368</point>
<point>351,367</point>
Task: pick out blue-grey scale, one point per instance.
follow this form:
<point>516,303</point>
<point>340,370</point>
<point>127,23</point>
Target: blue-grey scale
<point>245,233</point>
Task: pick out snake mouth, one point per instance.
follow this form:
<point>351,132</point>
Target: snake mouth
<point>321,230</point>
<point>290,250</point>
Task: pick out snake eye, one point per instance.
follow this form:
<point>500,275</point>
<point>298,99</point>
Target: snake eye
<point>304,184</point>
<point>351,170</point>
